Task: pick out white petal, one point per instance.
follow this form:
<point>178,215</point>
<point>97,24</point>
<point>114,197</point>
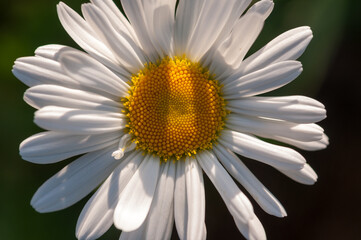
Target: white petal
<point>160,218</point>
<point>243,35</point>
<point>39,70</point>
<point>125,50</point>
<point>163,27</point>
<point>79,121</point>
<point>44,95</point>
<point>51,147</point>
<point>33,71</point>
<point>306,175</point>
<point>254,229</point>
<point>152,22</point>
<point>86,38</point>
<point>135,12</point>
<point>74,181</point>
<point>244,176</point>
<point>136,198</point>
<point>186,19</point>
<point>180,201</point>
<point>160,24</point>
<point>237,203</point>
<point>248,29</point>
<point>287,46</point>
<point>193,36</point>
<point>251,147</point>
<point>97,215</point>
<point>204,233</point>
<point>45,68</point>
<point>261,81</point>
<point>213,58</point>
<point>51,51</point>
<point>89,72</point>
<point>81,32</point>
<point>182,211</point>
<point>159,222</point>
<point>270,128</point>
<point>116,17</point>
<point>133,235</point>
<point>48,70</point>
<point>298,109</point>
<point>308,146</point>
<point>195,199</point>
<point>225,185</point>
<point>237,10</point>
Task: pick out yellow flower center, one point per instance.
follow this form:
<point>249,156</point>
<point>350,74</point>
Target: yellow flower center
<point>174,109</point>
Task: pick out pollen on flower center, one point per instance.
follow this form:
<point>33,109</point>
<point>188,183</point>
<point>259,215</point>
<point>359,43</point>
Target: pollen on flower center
<point>174,108</point>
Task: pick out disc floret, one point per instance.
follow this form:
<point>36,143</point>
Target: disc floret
<point>174,108</point>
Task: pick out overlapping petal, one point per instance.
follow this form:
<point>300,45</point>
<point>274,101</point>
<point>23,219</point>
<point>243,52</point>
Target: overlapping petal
<point>135,200</point>
<point>34,71</point>
<point>195,199</point>
<point>297,109</point>
<point>153,23</point>
<point>74,181</point>
<point>116,18</point>
<point>76,121</point>
<point>43,95</point>
<point>159,222</point>
<point>237,203</point>
<point>305,175</point>
<point>308,146</point>
<point>271,154</point>
<point>228,55</point>
<point>126,51</point>
<point>287,46</point>
<point>89,72</point>
<point>193,36</point>
<point>97,215</point>
<point>82,33</point>
<point>50,147</point>
<point>264,80</point>
<point>180,201</point>
<point>270,128</point>
<point>245,177</point>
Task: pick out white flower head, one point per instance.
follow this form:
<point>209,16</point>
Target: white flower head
<point>159,99</point>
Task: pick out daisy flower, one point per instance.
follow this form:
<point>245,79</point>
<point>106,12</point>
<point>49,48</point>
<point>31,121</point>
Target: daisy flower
<point>159,97</point>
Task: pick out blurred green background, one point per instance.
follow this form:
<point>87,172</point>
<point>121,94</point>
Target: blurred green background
<point>329,210</point>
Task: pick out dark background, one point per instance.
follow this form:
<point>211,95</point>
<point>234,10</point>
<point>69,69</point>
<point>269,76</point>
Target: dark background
<point>328,210</point>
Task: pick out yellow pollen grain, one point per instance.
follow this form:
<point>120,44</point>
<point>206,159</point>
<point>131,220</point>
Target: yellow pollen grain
<point>174,109</point>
